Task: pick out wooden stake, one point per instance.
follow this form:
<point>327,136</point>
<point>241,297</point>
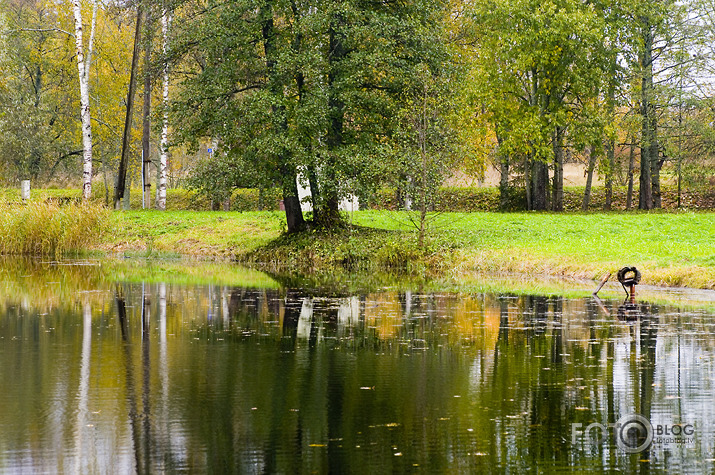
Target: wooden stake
<point>603,282</point>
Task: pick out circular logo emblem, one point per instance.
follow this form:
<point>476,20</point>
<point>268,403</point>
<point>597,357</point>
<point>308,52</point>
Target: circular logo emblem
<point>634,433</point>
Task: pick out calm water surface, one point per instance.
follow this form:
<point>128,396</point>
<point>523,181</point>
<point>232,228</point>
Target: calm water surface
<point>117,377</point>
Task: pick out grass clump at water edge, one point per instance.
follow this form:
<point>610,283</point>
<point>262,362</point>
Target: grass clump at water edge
<point>49,229</point>
<point>358,248</point>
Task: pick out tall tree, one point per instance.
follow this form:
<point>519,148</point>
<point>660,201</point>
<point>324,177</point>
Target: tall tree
<point>649,130</point>
<point>275,85</point>
<point>121,188</point>
<point>164,148</point>
<point>375,53</point>
<point>234,88</point>
<point>661,28</point>
<point>321,92</point>
<point>83,67</point>
<point>539,74</point>
<point>428,141</point>
<point>146,109</point>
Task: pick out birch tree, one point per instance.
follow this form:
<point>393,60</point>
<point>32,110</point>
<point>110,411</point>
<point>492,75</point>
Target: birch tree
<point>164,153</point>
<point>83,67</point>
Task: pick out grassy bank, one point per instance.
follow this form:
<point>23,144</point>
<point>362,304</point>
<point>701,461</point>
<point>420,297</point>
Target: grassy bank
<point>674,249</point>
<point>43,228</point>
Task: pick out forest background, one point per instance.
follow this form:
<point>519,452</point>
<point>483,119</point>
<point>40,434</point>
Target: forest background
<point>387,101</point>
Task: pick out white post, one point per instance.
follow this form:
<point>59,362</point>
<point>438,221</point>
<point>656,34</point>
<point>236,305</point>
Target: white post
<point>25,190</point>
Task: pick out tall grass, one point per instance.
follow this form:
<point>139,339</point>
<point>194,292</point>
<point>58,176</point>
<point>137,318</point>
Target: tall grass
<point>49,229</point>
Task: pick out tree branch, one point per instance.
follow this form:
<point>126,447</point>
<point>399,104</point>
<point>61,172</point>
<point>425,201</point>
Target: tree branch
<point>40,30</point>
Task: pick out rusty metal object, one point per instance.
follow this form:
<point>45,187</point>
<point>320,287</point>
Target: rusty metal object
<point>629,277</point>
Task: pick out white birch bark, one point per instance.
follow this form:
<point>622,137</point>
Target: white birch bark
<point>164,155</point>
<point>83,66</point>
<point>83,392</point>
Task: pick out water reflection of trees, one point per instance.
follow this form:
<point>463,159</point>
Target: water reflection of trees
<point>219,378</point>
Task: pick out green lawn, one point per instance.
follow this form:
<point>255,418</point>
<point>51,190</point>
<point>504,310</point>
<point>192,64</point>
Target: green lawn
<point>669,248</point>
<point>584,245</point>
<point>198,233</point>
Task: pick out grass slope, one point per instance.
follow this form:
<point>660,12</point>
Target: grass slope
<point>676,249</point>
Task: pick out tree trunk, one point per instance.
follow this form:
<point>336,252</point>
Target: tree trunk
<point>83,68</point>
<point>83,415</point>
<point>164,152</point>
<point>656,165</point>
<point>314,186</point>
<point>631,167</point>
<point>558,183</point>
<point>328,214</point>
<point>291,201</point>
<point>611,158</point>
<point>527,181</point>
<point>294,214</point>
<point>611,139</point>
<point>120,188</point>
<point>589,179</point>
<point>503,176</point>
<point>423,126</point>
<point>540,184</point>
<point>648,135</point>
<point>146,115</point>
<point>299,77</point>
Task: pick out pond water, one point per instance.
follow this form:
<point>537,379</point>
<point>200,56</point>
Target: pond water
<point>100,374</point>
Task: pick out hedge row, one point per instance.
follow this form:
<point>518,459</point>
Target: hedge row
<point>181,199</point>
<point>448,199</point>
<point>176,199</point>
<point>488,199</point>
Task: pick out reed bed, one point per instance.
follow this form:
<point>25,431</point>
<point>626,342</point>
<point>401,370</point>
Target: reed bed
<point>43,228</point>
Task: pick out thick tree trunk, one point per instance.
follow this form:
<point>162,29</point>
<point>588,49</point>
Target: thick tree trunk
<point>120,188</point>
<point>540,184</point>
<point>291,201</point>
<point>83,68</point>
<point>537,181</point>
<point>164,152</point>
<point>294,214</point>
<point>299,77</point>
<point>328,214</point>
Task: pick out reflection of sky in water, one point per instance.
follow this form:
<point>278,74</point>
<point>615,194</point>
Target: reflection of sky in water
<point>221,378</point>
